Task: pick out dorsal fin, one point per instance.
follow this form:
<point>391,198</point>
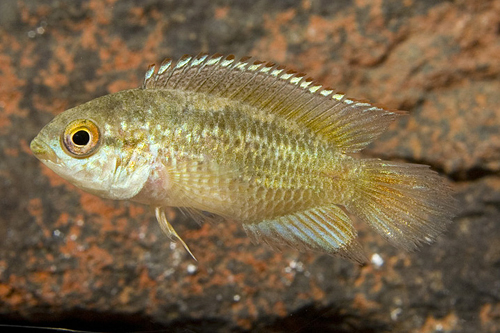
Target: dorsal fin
<point>348,124</point>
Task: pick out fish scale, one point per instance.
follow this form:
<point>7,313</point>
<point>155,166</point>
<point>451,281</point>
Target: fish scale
<point>216,137</point>
<point>254,143</point>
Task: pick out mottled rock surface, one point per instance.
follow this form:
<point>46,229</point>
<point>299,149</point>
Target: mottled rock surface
<point>69,259</point>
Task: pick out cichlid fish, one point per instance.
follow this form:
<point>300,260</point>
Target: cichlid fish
<point>251,142</point>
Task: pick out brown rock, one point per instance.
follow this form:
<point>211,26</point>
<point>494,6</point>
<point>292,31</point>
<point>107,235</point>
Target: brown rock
<point>69,259</point>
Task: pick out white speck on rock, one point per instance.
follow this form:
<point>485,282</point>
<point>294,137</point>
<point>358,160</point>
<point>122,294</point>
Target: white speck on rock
<point>377,260</point>
<point>191,269</point>
<point>395,313</point>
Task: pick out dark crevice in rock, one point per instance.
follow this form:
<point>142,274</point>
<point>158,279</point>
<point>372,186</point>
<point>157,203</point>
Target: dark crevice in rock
<point>307,319</point>
<point>91,321</point>
<point>326,319</point>
<point>474,173</point>
<point>84,320</point>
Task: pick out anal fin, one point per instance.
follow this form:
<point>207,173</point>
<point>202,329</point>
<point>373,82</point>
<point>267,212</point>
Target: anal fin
<point>324,229</point>
<point>169,230</point>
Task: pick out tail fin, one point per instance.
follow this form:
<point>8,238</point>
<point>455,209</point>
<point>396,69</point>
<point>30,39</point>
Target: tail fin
<point>408,204</point>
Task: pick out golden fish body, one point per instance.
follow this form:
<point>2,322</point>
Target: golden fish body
<point>251,142</point>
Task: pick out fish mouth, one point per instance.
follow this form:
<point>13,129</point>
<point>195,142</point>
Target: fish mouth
<point>43,152</point>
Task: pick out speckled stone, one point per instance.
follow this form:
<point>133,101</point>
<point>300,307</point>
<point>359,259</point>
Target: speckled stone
<point>69,259</point>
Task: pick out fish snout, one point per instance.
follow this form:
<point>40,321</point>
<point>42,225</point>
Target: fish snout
<point>42,151</point>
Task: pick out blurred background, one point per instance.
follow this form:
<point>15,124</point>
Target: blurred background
<point>71,260</point>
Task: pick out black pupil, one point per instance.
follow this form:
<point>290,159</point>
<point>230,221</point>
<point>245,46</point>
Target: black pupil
<point>81,138</point>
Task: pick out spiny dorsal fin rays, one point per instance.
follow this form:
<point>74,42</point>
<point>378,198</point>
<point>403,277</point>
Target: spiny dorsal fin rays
<point>182,76</point>
<point>256,70</point>
<point>348,124</point>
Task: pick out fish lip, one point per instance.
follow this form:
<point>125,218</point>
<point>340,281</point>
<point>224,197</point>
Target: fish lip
<point>43,152</point>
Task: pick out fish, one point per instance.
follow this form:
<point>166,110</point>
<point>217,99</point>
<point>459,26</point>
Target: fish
<point>253,143</point>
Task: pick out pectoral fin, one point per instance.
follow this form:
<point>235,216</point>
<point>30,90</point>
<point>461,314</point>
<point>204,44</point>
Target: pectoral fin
<point>169,230</point>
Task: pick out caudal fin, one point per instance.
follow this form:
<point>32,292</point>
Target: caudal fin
<point>408,204</point>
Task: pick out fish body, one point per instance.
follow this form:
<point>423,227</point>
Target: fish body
<point>250,142</point>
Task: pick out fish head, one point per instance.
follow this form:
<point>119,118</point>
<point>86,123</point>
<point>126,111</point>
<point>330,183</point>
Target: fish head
<point>96,147</point>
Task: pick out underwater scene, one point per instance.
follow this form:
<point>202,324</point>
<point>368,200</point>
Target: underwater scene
<point>265,166</point>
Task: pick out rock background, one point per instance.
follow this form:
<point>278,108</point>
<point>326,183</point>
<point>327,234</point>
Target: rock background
<point>69,259</point>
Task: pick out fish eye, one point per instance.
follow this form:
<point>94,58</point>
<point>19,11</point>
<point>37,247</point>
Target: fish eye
<point>81,138</point>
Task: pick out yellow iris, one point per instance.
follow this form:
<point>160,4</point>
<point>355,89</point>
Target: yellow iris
<point>81,138</point>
